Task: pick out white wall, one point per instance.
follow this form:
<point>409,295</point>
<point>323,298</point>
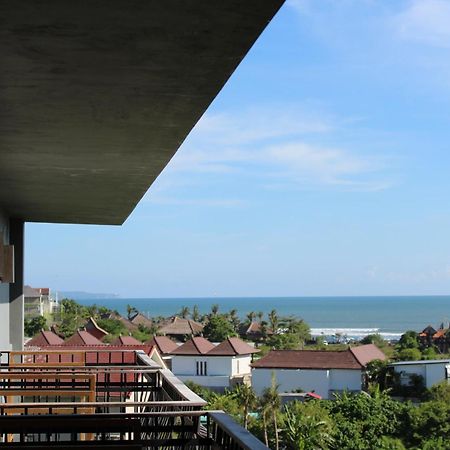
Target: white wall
<point>5,343</point>
<point>220,369</point>
<point>435,373</point>
<point>292,379</point>
<point>410,369</point>
<point>432,373</point>
<point>241,365</point>
<point>217,382</point>
<point>345,380</point>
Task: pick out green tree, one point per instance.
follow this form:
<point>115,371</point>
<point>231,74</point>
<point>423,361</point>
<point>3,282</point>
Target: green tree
<point>273,320</point>
<point>429,353</point>
<point>439,392</point>
<point>233,315</point>
<point>214,309</point>
<point>195,313</point>
<point>34,325</point>
<point>115,327</point>
<point>361,420</point>
<point>184,312</point>
<point>377,372</point>
<point>409,354</point>
<point>245,396</point>
<point>218,328</point>
<point>251,316</point>
<point>271,403</point>
<point>430,421</point>
<point>409,339</point>
<point>307,426</point>
<point>375,338</point>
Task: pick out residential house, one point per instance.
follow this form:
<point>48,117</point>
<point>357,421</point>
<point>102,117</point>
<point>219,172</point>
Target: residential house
<point>92,327</point>
<point>37,301</point>
<point>214,366</point>
<point>44,339</point>
<point>180,329</point>
<point>165,347</point>
<point>439,338</point>
<point>322,372</point>
<point>125,340</point>
<point>82,338</point>
<point>140,320</point>
<point>431,371</point>
<point>254,331</point>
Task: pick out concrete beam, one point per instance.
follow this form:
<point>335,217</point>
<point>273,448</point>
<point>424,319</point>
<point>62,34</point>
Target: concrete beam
<point>96,96</point>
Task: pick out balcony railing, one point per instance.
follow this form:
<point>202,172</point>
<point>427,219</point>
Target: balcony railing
<point>71,400</point>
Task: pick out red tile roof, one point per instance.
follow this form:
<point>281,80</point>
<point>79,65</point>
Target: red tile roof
<point>366,353</point>
<point>231,347</point>
<point>163,343</point>
<point>44,339</point>
<point>440,333</point>
<point>126,340</point>
<point>195,346</point>
<point>82,337</point>
<point>355,358</point>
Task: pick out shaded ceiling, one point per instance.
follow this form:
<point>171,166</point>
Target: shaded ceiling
<point>96,96</point>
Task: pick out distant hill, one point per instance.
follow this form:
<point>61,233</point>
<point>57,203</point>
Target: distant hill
<point>81,295</point>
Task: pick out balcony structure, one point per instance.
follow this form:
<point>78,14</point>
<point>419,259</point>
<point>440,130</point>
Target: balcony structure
<point>106,399</point>
<point>96,99</point>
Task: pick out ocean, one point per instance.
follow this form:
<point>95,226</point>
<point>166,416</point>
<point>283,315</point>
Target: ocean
<point>354,317</point>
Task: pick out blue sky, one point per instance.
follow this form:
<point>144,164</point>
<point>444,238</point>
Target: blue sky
<point>320,169</point>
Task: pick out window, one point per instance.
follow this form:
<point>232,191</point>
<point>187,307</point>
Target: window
<point>202,368</point>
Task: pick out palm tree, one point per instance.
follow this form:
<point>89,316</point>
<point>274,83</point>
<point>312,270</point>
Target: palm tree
<point>233,314</point>
<point>306,427</point>
<point>215,309</point>
<point>195,313</point>
<point>260,315</point>
<point>184,312</point>
<point>263,407</point>
<point>251,316</point>
<point>131,311</point>
<point>273,320</point>
<point>272,402</point>
<point>246,397</point>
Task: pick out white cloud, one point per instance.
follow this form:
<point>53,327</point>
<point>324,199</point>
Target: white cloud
<point>275,147</point>
<point>426,21</point>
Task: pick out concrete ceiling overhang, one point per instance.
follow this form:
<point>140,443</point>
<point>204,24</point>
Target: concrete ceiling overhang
<point>96,96</point>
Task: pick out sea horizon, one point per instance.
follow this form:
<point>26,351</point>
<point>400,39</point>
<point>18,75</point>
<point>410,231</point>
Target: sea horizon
<point>354,316</point>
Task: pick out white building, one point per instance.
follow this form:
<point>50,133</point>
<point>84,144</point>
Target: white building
<point>321,372</point>
<point>38,302</point>
<point>213,366</point>
<point>432,371</point>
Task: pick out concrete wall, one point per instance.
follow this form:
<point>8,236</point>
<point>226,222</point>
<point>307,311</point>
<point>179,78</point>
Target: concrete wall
<point>11,294</point>
<point>241,365</point>
<point>435,373</point>
<point>216,383</point>
<point>217,365</point>
<point>345,380</point>
<point>431,373</point>
<point>4,291</point>
<point>220,369</point>
<point>292,379</point>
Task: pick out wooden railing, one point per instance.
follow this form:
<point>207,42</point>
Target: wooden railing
<point>130,406</point>
<point>146,430</point>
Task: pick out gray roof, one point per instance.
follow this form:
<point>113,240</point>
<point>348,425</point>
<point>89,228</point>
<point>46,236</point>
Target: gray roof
<point>421,361</point>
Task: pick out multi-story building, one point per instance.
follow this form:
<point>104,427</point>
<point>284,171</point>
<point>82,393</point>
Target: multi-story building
<point>96,99</point>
